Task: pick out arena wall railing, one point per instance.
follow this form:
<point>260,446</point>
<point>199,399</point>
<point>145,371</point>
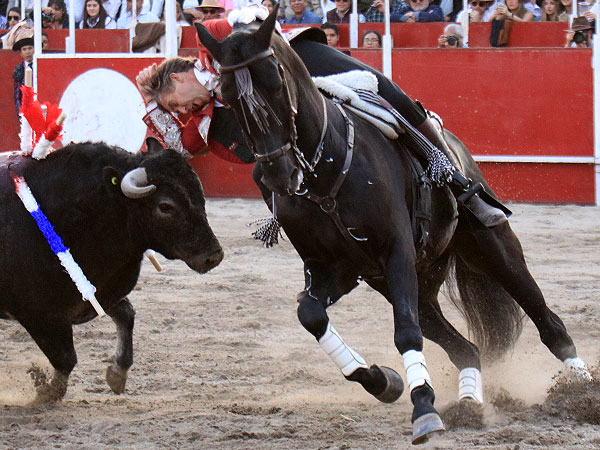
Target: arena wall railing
<point>527,114</point>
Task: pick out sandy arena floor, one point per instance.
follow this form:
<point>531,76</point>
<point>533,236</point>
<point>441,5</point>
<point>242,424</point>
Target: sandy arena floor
<point>221,361</point>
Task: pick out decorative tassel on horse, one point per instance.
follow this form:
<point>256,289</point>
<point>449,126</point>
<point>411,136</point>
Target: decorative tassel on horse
<point>257,105</point>
<point>269,228</point>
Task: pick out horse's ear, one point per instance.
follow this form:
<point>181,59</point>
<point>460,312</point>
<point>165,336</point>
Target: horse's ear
<point>153,145</point>
<point>209,42</point>
<point>263,34</point>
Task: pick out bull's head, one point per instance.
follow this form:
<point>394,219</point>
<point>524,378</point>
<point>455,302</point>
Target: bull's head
<point>166,201</point>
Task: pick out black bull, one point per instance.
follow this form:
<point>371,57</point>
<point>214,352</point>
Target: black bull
<point>108,206</point>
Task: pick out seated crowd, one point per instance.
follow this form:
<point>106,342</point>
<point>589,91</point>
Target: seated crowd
<point>117,14</point>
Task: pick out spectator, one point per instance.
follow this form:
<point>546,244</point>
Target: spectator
<point>210,9</point>
<point>375,12</point>
<point>23,45</point>
<point>112,8</point>
<point>332,32</point>
<point>371,39</point>
<point>452,37</point>
<point>550,10</point>
<point>179,16</point>
<point>143,14</point>
<point>567,6</point>
<point>45,40</point>
<point>513,10</point>
<point>269,4</point>
<point>479,11</point>
<point>13,17</point>
<point>54,16</point>
<point>580,34</point>
<point>418,11</point>
<point>450,8</point>
<point>301,13</point>
<point>95,16</point>
<point>535,9</point>
<point>341,12</point>
<point>286,12</point>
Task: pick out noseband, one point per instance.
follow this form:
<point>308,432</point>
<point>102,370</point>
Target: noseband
<point>290,146</point>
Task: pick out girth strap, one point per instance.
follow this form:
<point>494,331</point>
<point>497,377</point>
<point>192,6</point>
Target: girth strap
<point>329,205</point>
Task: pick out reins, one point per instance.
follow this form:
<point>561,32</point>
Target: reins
<point>262,55</point>
<point>292,145</point>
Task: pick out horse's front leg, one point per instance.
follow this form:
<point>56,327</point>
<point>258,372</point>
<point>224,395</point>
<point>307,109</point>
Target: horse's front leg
<point>403,290</point>
<point>322,289</point>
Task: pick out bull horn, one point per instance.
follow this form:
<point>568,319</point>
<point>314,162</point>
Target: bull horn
<point>135,184</point>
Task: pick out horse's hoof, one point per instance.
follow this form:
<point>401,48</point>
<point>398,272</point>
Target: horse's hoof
<point>116,379</point>
<point>394,386</point>
<point>426,426</point>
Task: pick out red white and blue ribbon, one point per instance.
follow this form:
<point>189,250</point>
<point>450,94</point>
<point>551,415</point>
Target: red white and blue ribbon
<point>84,286</point>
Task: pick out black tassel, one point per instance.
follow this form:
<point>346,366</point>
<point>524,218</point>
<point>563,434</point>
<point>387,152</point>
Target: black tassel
<point>269,231</point>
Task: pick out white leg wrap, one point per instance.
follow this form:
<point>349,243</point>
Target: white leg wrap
<point>342,355</point>
<point>469,384</point>
<point>416,369</point>
<point>577,368</point>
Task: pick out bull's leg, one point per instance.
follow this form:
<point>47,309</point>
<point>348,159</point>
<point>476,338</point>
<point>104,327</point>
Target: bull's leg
<point>463,354</point>
<point>381,382</point>
<point>123,316</point>
<point>403,289</point>
<point>500,256</point>
<point>54,336</point>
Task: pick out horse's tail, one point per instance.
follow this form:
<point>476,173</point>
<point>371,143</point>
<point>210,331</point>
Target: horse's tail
<point>493,317</point>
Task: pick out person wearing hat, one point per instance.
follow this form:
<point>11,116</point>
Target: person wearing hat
<point>210,9</point>
<point>580,34</point>
<point>24,45</point>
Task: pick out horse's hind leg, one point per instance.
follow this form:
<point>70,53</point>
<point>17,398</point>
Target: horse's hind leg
<point>463,354</point>
<point>123,316</point>
<point>320,292</point>
<point>499,255</point>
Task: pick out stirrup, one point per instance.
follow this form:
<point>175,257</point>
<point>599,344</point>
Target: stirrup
<point>478,189</point>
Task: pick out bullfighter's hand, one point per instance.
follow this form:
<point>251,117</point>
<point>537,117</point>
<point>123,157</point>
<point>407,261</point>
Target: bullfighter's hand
<point>143,82</point>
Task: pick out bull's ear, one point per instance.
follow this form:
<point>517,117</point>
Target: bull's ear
<point>210,43</point>
<point>263,34</point>
<point>153,145</point>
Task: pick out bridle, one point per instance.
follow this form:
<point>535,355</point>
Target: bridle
<point>292,144</point>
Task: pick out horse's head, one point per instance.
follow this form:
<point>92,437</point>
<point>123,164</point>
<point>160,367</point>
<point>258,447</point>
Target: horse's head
<point>257,82</point>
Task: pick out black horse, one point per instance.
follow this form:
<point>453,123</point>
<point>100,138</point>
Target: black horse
<point>346,197</point>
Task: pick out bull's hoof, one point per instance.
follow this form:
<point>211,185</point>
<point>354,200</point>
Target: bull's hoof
<point>116,379</point>
<point>425,427</point>
<point>394,387</point>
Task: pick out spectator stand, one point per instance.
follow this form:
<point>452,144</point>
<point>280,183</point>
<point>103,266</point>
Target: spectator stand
<point>519,109</point>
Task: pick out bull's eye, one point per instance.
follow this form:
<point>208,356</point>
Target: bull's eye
<point>114,181</point>
<point>166,208</point>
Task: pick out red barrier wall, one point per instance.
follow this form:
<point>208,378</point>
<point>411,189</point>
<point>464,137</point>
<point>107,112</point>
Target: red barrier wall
<point>90,41</point>
<point>425,35</point>
<point>498,101</point>
<point>512,102</point>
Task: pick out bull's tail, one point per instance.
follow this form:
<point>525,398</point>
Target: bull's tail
<point>493,317</point>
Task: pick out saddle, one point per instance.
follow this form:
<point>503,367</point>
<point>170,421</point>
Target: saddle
<point>358,91</point>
